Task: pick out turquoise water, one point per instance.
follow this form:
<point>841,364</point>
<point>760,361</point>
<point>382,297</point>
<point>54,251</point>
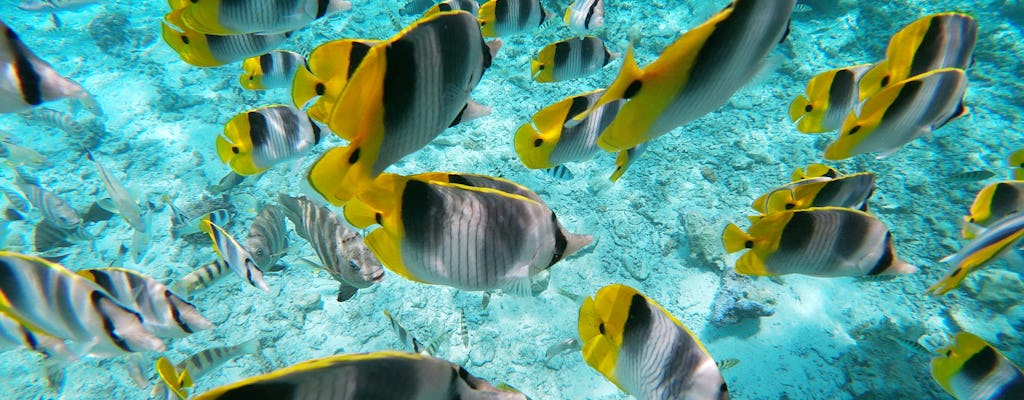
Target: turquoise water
<point>658,229</point>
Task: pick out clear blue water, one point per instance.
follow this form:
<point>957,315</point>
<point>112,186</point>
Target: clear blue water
<point>658,229</point>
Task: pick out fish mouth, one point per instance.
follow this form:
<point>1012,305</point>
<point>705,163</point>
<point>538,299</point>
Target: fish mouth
<point>379,276</point>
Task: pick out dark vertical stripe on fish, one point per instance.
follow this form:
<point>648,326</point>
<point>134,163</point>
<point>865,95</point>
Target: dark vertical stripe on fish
<point>981,364</point>
<point>356,53</point>
<point>579,104</point>
<point>560,241</point>
<point>321,8</point>
<point>885,261</point>
<point>1006,199</point>
<point>930,48</point>
<point>904,101</point>
<point>96,297</point>
<point>590,13</point>
<point>267,63</point>
<point>29,80</point>
<point>562,60</point>
<point>797,234</point>
<point>259,130</point>
<point>841,95</point>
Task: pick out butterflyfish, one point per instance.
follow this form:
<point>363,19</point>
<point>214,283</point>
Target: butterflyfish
<point>901,113</point>
<point>366,376</point>
<point>822,242</point>
<point>406,91</point>
<point>694,75</point>
<point>570,59</point>
<point>462,231</point>
<point>992,203</point>
<point>545,142</point>
<point>814,171</point>
<point>329,67</point>
<point>47,297</point>
<point>995,241</point>
<point>470,6</point>
<point>511,17</point>
<point>585,15</point>
<point>209,50</point>
<point>272,70</point>
<point>234,255</point>
<point>933,42</point>
<point>830,97</point>
<point>849,191</point>
<point>230,17</point>
<point>163,312</point>
<point>28,81</point>
<point>256,140</point>
<point>971,369</point>
<point>645,350</point>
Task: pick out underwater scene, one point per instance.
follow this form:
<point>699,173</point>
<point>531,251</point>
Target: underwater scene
<point>572,199</point>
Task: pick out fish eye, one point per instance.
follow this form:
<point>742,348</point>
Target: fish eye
<point>748,244</point>
<point>808,108</point>
<point>885,80</point>
<point>855,129</point>
<point>353,265</point>
<point>541,67</point>
<point>377,217</point>
<point>949,352</point>
<point>538,142</point>
<point>251,77</point>
<point>234,149</point>
<point>354,157</point>
<point>184,39</point>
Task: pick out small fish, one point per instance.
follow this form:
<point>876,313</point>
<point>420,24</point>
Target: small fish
<point>229,181</point>
<point>329,67</point>
<point>127,205</point>
<point>560,172</point>
<point>561,347</point>
<point>727,363</point>
<point>485,300</point>
<point>814,171</point>
<point>202,278</point>
<point>901,113</point>
<point>545,142</point>
<point>65,122</point>
<point>237,258</point>
<point>693,76</point>
<point>1016,161</point>
<point>55,5</point>
<point>273,70</point>
<point>585,15</point>
<point>848,191</point>
<point>470,6</point>
<point>267,239</point>
<point>341,250</point>
<point>15,200</point>
<point>463,331</point>
<point>972,176</point>
<point>408,340</point>
<point>970,369</point>
<point>822,242</point>
<point>183,223</point>
<point>49,298</point>
<point>256,140</point>
<point>28,81</point>
<point>802,8</point>
<point>932,42</point>
<point>53,208</point>
<point>644,350</point>
<point>141,238</point>
<point>135,365</point>
<point>163,313</point>
<point>206,50</point>
<point>198,365</point>
<point>18,155</point>
<point>999,238</point>
<point>227,17</point>
<point>511,17</point>
<point>830,97</point>
<point>359,376</point>
<point>427,220</point>
<point>385,127</point>
<point>416,7</point>
<point>570,59</point>
<point>625,159</point>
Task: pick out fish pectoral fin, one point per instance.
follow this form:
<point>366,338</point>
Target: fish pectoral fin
<point>108,205</point>
<point>346,292</point>
<point>519,285</point>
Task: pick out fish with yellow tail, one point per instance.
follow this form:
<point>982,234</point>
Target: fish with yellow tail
<point>28,81</point>
<point>644,350</point>
<point>273,70</point>
<point>936,41</point>
<point>256,140</point>
<point>358,376</point>
<point>1016,161</point>
<point>585,15</point>
<point>511,17</point>
<point>227,17</point>
<point>545,142</point>
<point>830,97</point>
<point>177,379</point>
<point>47,297</point>
<point>824,242</point>
<point>470,6</point>
<point>996,241</point>
<point>330,66</point>
<point>570,59</point>
<point>971,369</point>
<point>208,50</point>
<point>849,191</point>
<point>163,313</point>
<point>234,255</point>
<point>694,75</point>
<point>992,203</point>
<point>901,113</point>
<point>470,232</point>
<point>814,171</point>
<point>386,114</point>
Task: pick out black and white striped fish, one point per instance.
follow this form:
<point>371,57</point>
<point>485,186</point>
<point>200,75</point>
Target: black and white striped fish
<point>208,50</point>
<point>272,70</point>
<point>584,15</point>
<point>470,6</point>
<point>340,249</point>
<point>50,298</point>
<point>510,17</point>
<point>163,313</point>
<point>256,140</point>
<point>267,239</point>
<point>229,17</point>
<point>203,362</point>
<point>53,208</point>
<point>408,340</point>
<point>14,334</point>
<point>28,81</point>
<point>570,59</point>
<point>201,278</point>
<point>236,257</point>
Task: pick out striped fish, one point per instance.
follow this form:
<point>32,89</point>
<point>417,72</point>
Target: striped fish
<point>571,344</point>
<point>163,313</point>
<point>971,369</point>
<point>998,239</point>
<point>65,122</point>
<point>256,140</point>
<point>830,97</point>
<point>848,191</point>
<point>14,334</point>
<point>54,209</point>
<point>227,17</point>
<point>340,249</point>
<point>367,376</point>
<point>560,172</point>
<point>545,142</point>
<point>584,15</point>
<point>936,41</point>
<point>390,107</point>
<point>991,204</point>
<point>823,242</point>
<point>273,70</point>
<point>511,17</point>
<point>49,298</point>
<point>234,255</point>
<point>330,65</point>
<point>19,155</point>
<point>694,75</point>
<point>901,113</point>
<point>470,6</point>
<point>15,200</point>
<point>206,50</point>
<point>28,81</point>
<point>267,239</point>
<point>202,278</point>
<point>446,229</point>
<point>408,340</point>
<point>126,204</point>
<point>202,363</point>
<point>570,59</point>
<point>644,350</point>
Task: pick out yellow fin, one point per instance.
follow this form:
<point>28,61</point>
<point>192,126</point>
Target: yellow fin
<point>781,200</point>
<point>305,86</point>
<point>629,73</point>
<point>388,252</point>
<point>331,176</point>
<point>621,165</point>
<point>735,239</point>
<point>176,383</point>
<point>872,81</point>
<point>1016,161</point>
<point>814,171</point>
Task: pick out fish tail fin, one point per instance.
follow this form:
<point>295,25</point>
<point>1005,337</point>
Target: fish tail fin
<point>949,282</point>
<point>306,86</point>
<point>250,346</point>
<point>177,383</point>
<point>901,267</point>
<point>735,239</point>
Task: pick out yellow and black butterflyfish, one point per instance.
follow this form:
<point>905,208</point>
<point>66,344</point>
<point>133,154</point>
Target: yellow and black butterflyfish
<point>329,67</point>
<point>208,50</point>
<point>570,59</point>
<point>256,140</point>
<point>829,98</point>
<point>470,6</point>
<point>998,239</point>
<point>971,369</point>
<point>227,17</point>
<point>814,171</point>
<point>545,142</point>
<point>272,70</point>
<point>584,15</point>
<point>992,203</point>
<point>510,17</point>
<point>1016,161</point>
<point>848,191</point>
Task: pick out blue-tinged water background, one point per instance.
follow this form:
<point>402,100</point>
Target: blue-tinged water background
<point>658,229</point>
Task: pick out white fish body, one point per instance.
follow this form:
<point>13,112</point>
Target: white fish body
<point>585,15</point>
<point>234,255</point>
<point>27,81</point>
<point>126,204</point>
<point>55,5</point>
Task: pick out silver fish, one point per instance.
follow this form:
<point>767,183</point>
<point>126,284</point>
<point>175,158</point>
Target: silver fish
<point>267,238</point>
<point>55,5</point>
<point>27,81</point>
<point>236,257</point>
<point>202,278</point>
<point>19,155</point>
<point>561,347</point>
<point>126,204</point>
<point>163,313</point>
<point>53,208</point>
